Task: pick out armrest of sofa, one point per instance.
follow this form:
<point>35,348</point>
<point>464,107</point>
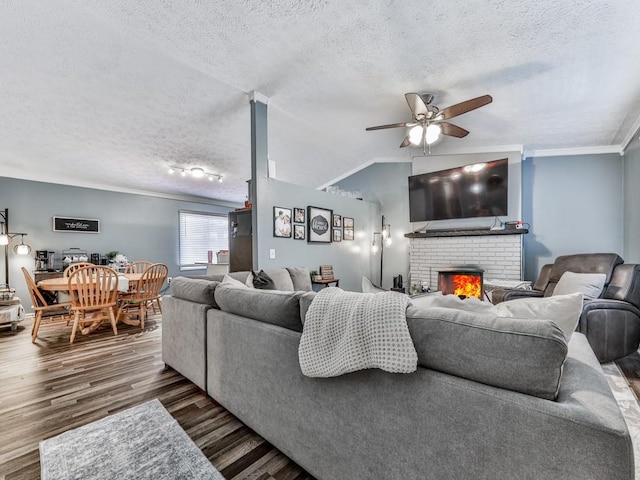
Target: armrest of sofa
<point>625,284</point>
<point>504,294</point>
<point>611,326</point>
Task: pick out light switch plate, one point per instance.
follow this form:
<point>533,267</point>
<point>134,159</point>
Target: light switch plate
<point>272,253</point>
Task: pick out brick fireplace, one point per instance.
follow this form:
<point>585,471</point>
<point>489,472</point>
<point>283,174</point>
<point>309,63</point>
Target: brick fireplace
<point>498,253</point>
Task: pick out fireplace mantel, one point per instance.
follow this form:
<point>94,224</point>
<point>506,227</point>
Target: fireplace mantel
<point>469,232</point>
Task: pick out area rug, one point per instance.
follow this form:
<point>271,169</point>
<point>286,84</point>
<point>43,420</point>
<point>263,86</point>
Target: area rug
<point>628,403</point>
<point>143,442</point>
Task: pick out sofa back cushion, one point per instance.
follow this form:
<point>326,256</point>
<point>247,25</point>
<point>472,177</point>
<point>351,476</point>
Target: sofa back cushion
<point>582,263</point>
<point>281,279</point>
<point>301,278</point>
<point>194,289</point>
<point>270,306</point>
<point>516,354</point>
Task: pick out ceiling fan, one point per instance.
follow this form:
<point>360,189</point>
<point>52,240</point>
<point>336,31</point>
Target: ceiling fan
<point>428,121</point>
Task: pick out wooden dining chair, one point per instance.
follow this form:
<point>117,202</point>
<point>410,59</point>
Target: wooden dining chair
<point>147,292</point>
<point>94,291</point>
<point>73,267</point>
<point>44,312</point>
<point>138,266</point>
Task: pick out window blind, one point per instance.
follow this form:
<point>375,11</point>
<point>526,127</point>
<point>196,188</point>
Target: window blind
<point>199,233</point>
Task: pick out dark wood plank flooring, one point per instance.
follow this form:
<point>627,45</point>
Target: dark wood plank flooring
<point>630,366</point>
<point>52,386</point>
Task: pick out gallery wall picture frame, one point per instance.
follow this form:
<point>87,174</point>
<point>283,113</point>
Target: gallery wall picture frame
<point>337,234</point>
<point>299,232</point>
<point>347,234</point>
<point>282,222</point>
<point>319,225</point>
<point>348,228</point>
<point>299,215</point>
<point>337,220</point>
<point>76,225</point>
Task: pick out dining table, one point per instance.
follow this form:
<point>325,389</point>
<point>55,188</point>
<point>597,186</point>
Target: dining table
<point>125,282</point>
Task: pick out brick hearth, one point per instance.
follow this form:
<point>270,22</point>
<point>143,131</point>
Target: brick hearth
<point>500,256</point>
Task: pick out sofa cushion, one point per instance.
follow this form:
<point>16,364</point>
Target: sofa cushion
<point>262,281</point>
<point>229,281</point>
<point>305,302</point>
<point>301,278</point>
<point>194,289</point>
<point>281,279</point>
<point>269,306</point>
<point>516,354</point>
<point>563,310</point>
<point>589,284</point>
<point>369,287</point>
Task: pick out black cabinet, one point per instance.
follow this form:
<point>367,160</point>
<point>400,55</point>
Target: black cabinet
<point>240,241</point>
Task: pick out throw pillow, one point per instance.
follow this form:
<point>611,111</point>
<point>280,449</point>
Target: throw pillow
<point>437,299</point>
<point>589,284</point>
<point>262,281</point>
<point>228,281</point>
<point>368,287</point>
<point>563,310</point>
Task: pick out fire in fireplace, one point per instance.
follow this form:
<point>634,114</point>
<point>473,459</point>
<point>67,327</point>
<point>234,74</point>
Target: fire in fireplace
<point>464,281</point>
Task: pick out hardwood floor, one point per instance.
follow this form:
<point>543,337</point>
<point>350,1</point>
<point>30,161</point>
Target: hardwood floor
<point>630,366</point>
<point>51,387</point>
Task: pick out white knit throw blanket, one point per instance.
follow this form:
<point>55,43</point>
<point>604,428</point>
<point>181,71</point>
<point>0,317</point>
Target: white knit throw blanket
<point>348,331</point>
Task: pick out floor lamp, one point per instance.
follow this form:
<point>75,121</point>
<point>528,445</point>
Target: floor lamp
<point>381,240</point>
<point>6,238</point>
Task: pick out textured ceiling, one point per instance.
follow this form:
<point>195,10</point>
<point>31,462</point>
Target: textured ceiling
<point>109,93</point>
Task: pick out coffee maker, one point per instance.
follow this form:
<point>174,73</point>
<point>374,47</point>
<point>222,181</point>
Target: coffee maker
<point>45,261</point>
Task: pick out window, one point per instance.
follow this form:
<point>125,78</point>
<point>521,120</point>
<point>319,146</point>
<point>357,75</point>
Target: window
<point>199,233</point>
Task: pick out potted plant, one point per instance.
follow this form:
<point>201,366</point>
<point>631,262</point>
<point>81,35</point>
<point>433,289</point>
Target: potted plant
<point>315,276</point>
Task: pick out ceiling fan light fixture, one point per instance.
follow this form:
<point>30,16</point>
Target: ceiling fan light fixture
<point>415,135</point>
<point>197,172</point>
<point>432,133</point>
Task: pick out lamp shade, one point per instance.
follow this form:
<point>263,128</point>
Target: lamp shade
<point>22,249</point>
<point>4,239</point>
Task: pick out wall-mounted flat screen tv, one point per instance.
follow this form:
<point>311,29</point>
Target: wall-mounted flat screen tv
<point>475,190</point>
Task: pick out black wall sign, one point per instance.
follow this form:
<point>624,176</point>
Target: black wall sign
<point>83,225</point>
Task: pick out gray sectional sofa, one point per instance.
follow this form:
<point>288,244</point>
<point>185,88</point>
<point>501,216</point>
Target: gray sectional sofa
<point>492,398</point>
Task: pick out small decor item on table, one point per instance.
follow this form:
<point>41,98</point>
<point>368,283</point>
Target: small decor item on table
<point>315,276</point>
<point>282,222</point>
<point>326,272</point>
<point>6,292</point>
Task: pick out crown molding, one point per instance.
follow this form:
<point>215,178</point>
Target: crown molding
<point>632,132</point>
<point>258,97</point>
<point>132,191</point>
<point>567,152</point>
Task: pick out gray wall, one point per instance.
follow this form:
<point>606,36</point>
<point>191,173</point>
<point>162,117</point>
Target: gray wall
<point>386,185</point>
<point>350,259</point>
<point>632,201</point>
<point>574,204</point>
<point>141,227</point>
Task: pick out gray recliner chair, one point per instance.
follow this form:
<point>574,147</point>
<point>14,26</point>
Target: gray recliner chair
<point>611,322</point>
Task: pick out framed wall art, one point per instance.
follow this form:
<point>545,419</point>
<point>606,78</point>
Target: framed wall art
<point>347,229</point>
<point>319,225</point>
<point>298,215</point>
<point>281,222</point>
<point>299,232</point>
<point>337,235</point>
<point>82,225</point>
<point>337,221</point>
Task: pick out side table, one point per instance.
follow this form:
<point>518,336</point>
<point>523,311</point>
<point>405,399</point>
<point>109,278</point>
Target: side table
<point>327,283</point>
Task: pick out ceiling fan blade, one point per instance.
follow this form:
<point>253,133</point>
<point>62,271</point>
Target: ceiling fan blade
<point>392,125</point>
<point>405,142</point>
<point>416,104</point>
<point>464,107</point>
<point>453,130</point>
